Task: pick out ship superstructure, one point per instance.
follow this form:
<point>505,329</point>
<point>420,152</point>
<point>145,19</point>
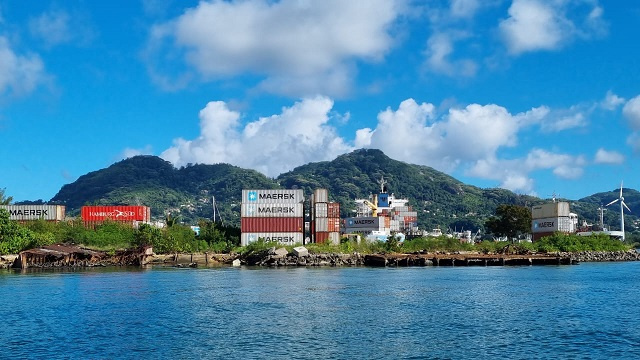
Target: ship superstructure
<point>382,214</point>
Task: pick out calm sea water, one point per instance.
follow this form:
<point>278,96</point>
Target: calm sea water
<point>588,311</point>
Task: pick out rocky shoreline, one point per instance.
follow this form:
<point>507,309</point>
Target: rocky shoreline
<point>281,257</point>
<point>604,256</point>
<point>300,257</point>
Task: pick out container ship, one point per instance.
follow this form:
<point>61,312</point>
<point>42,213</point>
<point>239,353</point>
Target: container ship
<point>382,215</point>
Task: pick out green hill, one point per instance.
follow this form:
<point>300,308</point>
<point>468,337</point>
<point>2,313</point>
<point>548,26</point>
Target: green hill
<point>440,200</point>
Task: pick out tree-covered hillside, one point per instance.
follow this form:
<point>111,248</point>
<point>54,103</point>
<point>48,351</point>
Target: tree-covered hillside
<point>148,180</point>
<point>440,200</point>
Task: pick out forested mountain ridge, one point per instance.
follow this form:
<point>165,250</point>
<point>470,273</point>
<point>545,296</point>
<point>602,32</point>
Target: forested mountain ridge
<point>440,200</point>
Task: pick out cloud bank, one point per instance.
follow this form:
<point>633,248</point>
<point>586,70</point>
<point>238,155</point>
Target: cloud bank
<point>296,48</point>
<point>272,145</point>
<point>469,140</point>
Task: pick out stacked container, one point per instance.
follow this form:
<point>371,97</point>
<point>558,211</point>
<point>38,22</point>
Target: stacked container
<point>95,215</point>
<point>550,218</point>
<point>273,215</point>
<point>325,218</point>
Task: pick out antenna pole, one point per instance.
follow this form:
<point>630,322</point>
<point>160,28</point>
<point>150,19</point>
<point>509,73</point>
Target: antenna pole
<point>213,202</point>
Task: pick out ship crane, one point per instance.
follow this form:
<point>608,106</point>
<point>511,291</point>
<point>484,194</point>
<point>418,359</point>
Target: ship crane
<point>372,206</point>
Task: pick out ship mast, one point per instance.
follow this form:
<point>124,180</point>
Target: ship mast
<point>382,183</point>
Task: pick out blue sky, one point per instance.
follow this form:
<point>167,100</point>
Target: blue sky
<point>539,97</point>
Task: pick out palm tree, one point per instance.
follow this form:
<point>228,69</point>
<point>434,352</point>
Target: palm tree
<point>5,200</point>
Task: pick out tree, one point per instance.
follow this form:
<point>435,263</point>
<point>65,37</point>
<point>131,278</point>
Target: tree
<point>13,237</point>
<point>510,221</point>
<point>5,200</point>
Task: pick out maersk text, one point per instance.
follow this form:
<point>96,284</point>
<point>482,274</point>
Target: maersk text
<point>275,210</point>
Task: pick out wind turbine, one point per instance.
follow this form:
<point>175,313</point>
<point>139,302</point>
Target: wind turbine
<point>622,206</point>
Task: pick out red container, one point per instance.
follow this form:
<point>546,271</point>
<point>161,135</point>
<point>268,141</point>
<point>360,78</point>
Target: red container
<point>116,213</point>
<point>333,210</point>
<point>321,237</point>
<point>334,225</point>
<point>97,223</point>
<point>274,224</point>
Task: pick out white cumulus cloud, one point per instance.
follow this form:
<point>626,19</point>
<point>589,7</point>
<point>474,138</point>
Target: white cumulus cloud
<point>464,8</point>
<point>58,27</point>
<point>467,139</point>
<point>19,74</point>
<point>300,44</point>
<point>440,47</point>
<point>631,111</point>
<point>513,174</point>
<point>271,145</point>
<point>611,101</point>
<point>535,25</point>
<point>608,157</point>
<point>463,138</point>
<point>52,27</point>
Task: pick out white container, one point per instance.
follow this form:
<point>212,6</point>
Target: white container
<point>282,238</point>
<point>321,210</point>
<point>553,224</point>
<point>35,212</point>
<point>394,225</point>
<point>550,210</point>
<point>273,196</point>
<point>322,224</point>
<point>271,210</point>
<point>334,238</point>
<point>320,196</point>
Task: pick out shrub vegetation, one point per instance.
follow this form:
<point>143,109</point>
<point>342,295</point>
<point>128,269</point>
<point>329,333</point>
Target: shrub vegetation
<point>214,237</point>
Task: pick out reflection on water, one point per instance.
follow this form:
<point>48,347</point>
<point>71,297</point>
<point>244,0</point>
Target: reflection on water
<point>584,311</point>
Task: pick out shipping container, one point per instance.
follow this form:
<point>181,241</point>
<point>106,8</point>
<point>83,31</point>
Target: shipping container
<point>116,213</point>
<point>562,224</point>
<point>321,224</point>
<point>334,224</point>
<point>406,218</point>
<point>276,196</point>
<point>394,225</point>
<point>270,225</point>
<point>272,210</point>
<point>284,238</point>
<point>401,208</point>
<point>35,212</point>
<point>369,222</point>
<point>550,210</point>
<point>320,210</point>
<point>320,196</point>
<point>321,237</point>
<point>333,210</point>
<point>334,238</point>
<point>327,224</point>
<point>407,213</point>
<point>93,224</point>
